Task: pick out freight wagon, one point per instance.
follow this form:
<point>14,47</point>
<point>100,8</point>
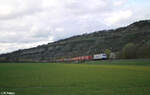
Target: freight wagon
<point>100,56</point>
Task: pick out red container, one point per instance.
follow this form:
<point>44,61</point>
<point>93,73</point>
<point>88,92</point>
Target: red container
<point>81,58</point>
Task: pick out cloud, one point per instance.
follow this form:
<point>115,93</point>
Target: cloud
<point>119,2</point>
<point>27,23</point>
<point>117,16</point>
<point>9,47</point>
<point>16,8</point>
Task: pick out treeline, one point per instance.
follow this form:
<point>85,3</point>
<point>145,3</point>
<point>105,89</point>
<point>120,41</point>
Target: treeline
<point>132,51</point>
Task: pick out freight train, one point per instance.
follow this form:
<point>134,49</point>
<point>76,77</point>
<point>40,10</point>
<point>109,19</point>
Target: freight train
<point>101,56</point>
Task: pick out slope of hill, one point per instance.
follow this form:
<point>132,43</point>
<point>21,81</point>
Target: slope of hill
<point>86,44</point>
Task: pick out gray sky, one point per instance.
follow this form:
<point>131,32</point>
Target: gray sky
<point>28,23</point>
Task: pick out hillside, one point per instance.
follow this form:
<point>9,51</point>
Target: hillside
<point>87,44</point>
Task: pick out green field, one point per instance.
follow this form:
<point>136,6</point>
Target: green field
<point>122,77</point>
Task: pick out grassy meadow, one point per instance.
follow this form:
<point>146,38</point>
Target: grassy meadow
<point>120,77</point>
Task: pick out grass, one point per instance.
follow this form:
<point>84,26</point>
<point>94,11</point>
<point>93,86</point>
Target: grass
<point>122,77</point>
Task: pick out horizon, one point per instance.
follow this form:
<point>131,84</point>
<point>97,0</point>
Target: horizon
<point>38,22</point>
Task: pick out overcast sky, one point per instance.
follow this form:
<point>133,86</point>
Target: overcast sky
<point>28,23</point>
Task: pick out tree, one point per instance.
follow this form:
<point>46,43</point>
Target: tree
<point>144,50</point>
<point>129,51</point>
<point>107,51</point>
